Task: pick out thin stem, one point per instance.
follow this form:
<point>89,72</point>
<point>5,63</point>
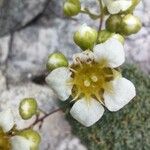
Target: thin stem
<point>38,120</point>
<point>91,15</point>
<point>102,15</point>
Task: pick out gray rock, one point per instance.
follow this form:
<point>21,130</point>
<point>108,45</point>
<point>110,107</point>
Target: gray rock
<point>54,32</point>
<point>55,131</point>
<point>17,13</point>
<point>4,49</point>
<point>31,46</point>
<point>2,82</point>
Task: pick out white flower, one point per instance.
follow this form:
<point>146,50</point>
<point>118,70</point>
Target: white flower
<point>10,142</point>
<point>116,6</point>
<point>93,81</point>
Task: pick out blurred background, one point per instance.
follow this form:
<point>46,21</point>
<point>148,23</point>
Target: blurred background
<point>29,31</point>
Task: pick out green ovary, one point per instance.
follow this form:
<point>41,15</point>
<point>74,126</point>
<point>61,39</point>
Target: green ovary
<point>91,79</point>
<point>4,141</point>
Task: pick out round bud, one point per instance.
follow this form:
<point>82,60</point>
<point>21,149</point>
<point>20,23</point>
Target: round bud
<point>103,36</point>
<point>85,37</point>
<point>130,24</point>
<point>118,37</point>
<point>27,108</point>
<point>113,23</point>
<point>33,137</point>
<point>71,7</point>
<point>56,60</point>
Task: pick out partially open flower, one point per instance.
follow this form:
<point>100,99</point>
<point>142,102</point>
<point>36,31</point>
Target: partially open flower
<point>117,6</point>
<point>93,81</point>
<point>7,140</point>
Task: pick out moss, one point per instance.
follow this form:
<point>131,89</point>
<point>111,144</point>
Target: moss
<point>127,129</point>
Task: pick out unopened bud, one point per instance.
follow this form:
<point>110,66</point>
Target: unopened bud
<point>85,37</point>
<point>33,137</point>
<point>27,108</point>
<point>113,23</point>
<point>104,35</point>
<point>130,24</point>
<point>56,60</point>
<point>71,7</point>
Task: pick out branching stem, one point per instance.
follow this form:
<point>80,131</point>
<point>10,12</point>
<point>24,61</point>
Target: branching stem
<point>40,120</point>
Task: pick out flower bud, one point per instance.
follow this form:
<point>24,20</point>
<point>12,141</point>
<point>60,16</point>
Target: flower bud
<point>56,60</point>
<point>104,35</point>
<point>33,137</point>
<point>113,23</point>
<point>71,7</point>
<point>130,24</point>
<point>85,37</point>
<point>118,37</point>
<point>27,108</point>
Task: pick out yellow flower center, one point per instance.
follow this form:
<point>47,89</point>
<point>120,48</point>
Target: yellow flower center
<point>91,79</point>
<point>4,141</point>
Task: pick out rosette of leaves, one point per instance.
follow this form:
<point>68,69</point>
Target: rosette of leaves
<point>129,128</point>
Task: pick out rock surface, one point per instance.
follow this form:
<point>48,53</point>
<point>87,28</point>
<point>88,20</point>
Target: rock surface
<point>17,13</point>
<point>55,131</point>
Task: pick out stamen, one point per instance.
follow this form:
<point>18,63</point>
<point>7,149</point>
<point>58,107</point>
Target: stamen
<point>72,70</point>
<point>76,97</point>
<point>79,62</point>
<point>99,98</point>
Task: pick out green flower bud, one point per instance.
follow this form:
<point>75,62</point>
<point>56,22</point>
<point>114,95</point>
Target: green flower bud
<point>118,37</point>
<point>103,36</point>
<point>85,37</point>
<point>113,23</point>
<point>27,108</point>
<point>56,60</point>
<point>33,137</point>
<point>71,7</point>
<point>130,24</point>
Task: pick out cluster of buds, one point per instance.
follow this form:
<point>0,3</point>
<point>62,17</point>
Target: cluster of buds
<point>12,138</point>
<point>121,18</point>
<point>92,81</point>
<point>121,22</point>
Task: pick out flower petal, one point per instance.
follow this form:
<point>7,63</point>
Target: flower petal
<point>6,120</point>
<point>112,51</point>
<point>58,81</point>
<point>119,5</point>
<point>87,112</point>
<point>20,143</point>
<point>123,92</point>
